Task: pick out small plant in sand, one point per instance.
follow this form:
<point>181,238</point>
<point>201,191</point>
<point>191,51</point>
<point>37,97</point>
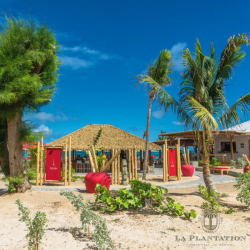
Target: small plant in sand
<point>212,200</point>
<point>14,182</point>
<point>243,183</point>
<point>101,235</point>
<point>35,227</point>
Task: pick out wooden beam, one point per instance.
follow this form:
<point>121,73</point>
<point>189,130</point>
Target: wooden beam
<point>129,165</point>
<point>167,162</point>
<point>119,169</point>
<point>94,158</point>
<point>164,162</point>
<point>135,164</point>
<point>65,165</point>
<point>179,159</point>
<point>91,162</point>
<point>184,156</point>
<point>132,163</point>
<point>113,168</point>
<point>141,161</point>
<point>41,166</point>
<point>231,147</point>
<point>37,163</point>
<point>111,160</point>
<point>69,160</point>
<point>188,157</point>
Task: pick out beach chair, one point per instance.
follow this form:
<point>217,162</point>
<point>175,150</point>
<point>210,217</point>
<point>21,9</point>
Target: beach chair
<point>221,169</point>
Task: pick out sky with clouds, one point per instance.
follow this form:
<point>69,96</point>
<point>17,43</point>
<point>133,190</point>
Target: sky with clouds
<point>104,44</point>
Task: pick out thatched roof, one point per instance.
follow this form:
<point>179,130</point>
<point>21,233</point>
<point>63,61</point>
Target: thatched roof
<point>111,138</point>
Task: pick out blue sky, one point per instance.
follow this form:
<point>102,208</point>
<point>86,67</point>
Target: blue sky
<point>105,43</point>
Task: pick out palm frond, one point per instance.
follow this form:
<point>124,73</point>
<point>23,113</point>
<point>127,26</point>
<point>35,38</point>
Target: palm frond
<point>231,117</point>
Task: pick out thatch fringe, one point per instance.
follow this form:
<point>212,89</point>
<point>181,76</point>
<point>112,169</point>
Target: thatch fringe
<point>111,138</point>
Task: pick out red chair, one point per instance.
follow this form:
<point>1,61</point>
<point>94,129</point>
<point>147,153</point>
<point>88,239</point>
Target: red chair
<point>91,179</point>
<point>187,170</point>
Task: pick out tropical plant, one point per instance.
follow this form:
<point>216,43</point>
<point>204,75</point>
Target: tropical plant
<point>243,183</point>
<point>28,72</point>
<point>241,162</point>
<point>159,72</point>
<point>36,227</point>
<point>214,162</point>
<point>101,235</point>
<point>13,183</point>
<point>232,164</point>
<point>202,104</point>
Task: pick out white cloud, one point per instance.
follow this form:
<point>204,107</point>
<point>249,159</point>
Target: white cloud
<point>158,114</point>
<point>44,129</point>
<point>48,117</point>
<point>96,54</point>
<point>176,52</point>
<point>177,123</point>
<point>75,62</point>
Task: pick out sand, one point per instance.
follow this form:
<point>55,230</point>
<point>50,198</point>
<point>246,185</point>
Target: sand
<point>132,230</point>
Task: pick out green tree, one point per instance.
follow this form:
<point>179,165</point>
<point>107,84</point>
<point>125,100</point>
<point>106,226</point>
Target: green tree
<point>158,71</point>
<point>162,138</point>
<point>28,72</point>
<point>202,105</point>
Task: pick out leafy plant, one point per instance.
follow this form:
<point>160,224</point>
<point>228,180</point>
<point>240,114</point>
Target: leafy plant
<point>141,194</point>
<point>101,235</point>
<point>14,182</point>
<point>36,227</point>
<point>212,200</point>
<point>243,183</point>
<point>241,162</point>
<point>233,164</point>
<point>139,176</point>
<point>214,162</point>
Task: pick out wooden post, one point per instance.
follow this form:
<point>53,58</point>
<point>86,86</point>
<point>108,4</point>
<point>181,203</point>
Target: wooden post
<point>37,163</point>
<point>166,160</point>
<point>164,163</point>
<point>113,168</point>
<point>231,147</point>
<point>103,164</point>
<point>119,169</point>
<point>141,161</point>
<point>41,167</point>
<point>179,159</point>
<point>159,156</point>
<point>135,164</point>
<point>65,165</point>
<point>91,162</point>
<point>129,165</point>
<point>188,158</point>
<point>132,164</point>
<point>94,158</point>
<point>184,155</point>
<point>69,160</point>
<point>111,160</point>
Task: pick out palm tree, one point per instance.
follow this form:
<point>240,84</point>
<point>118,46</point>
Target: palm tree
<point>158,71</point>
<point>162,138</point>
<point>202,103</point>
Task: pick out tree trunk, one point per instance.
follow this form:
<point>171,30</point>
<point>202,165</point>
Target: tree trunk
<point>16,159</point>
<point>205,165</point>
<point>147,137</point>
<point>206,174</point>
<point>4,161</point>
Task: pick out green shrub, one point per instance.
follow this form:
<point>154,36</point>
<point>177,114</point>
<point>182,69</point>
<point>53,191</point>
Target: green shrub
<point>101,235</point>
<point>13,183</point>
<point>233,164</point>
<point>214,162</point>
<point>141,194</point>
<point>243,183</point>
<point>241,162</point>
<point>36,227</point>
<point>212,200</point>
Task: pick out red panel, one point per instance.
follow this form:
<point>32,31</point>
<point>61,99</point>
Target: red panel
<point>53,164</point>
<point>172,162</point>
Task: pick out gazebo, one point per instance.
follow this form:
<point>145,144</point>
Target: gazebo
<point>112,138</point>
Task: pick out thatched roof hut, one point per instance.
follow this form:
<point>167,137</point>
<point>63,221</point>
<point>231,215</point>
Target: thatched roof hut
<point>111,138</point>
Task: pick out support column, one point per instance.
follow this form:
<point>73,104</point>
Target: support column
<point>150,163</point>
<point>141,161</point>
<point>231,147</point>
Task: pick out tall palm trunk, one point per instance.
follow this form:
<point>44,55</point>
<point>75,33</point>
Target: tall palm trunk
<point>16,158</point>
<point>4,160</point>
<point>205,165</point>
<point>147,136</point>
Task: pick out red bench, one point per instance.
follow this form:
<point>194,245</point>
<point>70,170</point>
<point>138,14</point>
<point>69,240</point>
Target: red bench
<point>221,169</point>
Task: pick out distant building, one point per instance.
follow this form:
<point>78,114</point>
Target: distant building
<point>240,142</point>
